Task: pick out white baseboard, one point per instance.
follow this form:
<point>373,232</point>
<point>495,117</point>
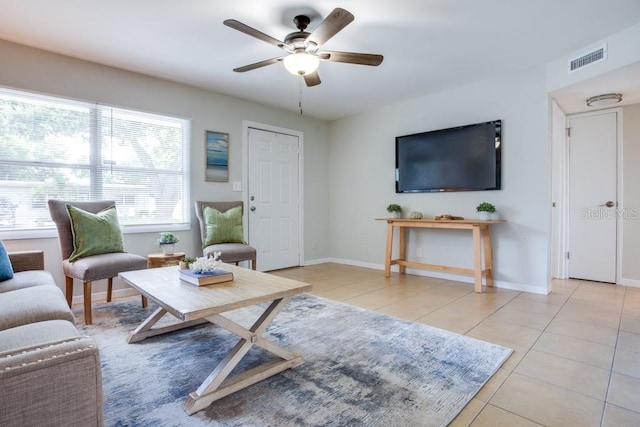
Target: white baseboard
<point>316,261</point>
<point>632,283</point>
<point>361,264</point>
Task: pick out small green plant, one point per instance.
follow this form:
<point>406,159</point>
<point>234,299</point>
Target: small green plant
<point>167,238</point>
<point>486,207</point>
<point>394,208</point>
<point>185,263</point>
<point>188,260</point>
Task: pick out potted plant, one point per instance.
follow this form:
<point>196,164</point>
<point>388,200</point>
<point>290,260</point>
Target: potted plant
<point>486,210</point>
<point>186,262</point>
<point>395,210</point>
<point>167,242</point>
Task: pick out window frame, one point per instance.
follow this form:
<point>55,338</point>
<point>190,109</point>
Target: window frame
<point>95,109</point>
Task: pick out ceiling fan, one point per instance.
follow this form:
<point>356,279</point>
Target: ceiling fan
<point>303,49</point>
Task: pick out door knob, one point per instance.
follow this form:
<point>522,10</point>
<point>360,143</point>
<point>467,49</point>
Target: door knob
<point>252,208</point>
<point>609,204</point>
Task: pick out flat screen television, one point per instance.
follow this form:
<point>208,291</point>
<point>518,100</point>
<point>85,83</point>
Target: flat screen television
<point>463,158</point>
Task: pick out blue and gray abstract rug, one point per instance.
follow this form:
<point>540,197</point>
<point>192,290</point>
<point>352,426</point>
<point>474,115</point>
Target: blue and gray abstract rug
<point>362,369</point>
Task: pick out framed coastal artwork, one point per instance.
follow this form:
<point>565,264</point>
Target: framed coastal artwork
<point>216,145</point>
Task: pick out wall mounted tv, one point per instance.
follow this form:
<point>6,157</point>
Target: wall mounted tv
<point>463,158</point>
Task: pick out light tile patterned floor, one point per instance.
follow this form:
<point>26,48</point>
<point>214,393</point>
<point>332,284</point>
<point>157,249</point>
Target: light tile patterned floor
<point>577,350</point>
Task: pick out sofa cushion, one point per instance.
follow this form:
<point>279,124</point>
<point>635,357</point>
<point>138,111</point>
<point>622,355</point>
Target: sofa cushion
<point>223,227</point>
<point>102,266</point>
<point>13,340</point>
<point>94,234</point>
<point>27,279</point>
<point>6,270</point>
<point>34,304</point>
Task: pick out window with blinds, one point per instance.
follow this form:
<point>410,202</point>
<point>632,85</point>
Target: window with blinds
<point>56,148</point>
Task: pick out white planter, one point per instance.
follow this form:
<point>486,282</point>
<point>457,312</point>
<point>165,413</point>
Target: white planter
<point>396,214</point>
<point>168,249</point>
<point>484,216</point>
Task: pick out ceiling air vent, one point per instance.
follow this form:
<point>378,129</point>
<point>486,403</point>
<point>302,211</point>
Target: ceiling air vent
<point>593,57</point>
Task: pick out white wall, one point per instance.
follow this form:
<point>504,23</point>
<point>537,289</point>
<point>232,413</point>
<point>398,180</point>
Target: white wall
<point>623,49</point>
<point>631,196</point>
<point>362,180</point>
<point>39,71</point>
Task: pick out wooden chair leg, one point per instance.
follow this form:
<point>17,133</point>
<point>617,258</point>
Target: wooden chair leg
<point>144,301</point>
<point>253,264</point>
<point>87,303</point>
<point>109,288</point>
<point>68,292</point>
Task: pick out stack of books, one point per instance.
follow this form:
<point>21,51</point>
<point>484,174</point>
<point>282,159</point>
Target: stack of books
<point>207,278</point>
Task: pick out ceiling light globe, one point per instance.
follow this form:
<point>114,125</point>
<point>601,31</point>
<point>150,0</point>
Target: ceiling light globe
<point>301,64</point>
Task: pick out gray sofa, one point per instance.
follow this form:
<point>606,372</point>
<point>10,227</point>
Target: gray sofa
<point>49,372</point>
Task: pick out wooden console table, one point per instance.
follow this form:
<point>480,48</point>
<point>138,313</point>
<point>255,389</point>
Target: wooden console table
<point>481,238</point>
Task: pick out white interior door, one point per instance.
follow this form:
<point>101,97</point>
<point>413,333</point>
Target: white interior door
<point>593,210</point>
<point>274,200</point>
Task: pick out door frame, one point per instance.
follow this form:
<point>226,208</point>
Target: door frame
<point>562,187</point>
<point>246,124</point>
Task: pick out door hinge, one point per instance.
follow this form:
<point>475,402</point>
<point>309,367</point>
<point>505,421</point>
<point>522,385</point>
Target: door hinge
<point>569,132</point>
<point>568,257</point>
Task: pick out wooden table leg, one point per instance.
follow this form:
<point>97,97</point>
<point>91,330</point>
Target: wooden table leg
<point>146,330</point>
<point>387,256</point>
<point>87,303</point>
<point>218,385</point>
<point>488,257</point>
<point>402,246</point>
<point>68,289</point>
<point>477,259</point>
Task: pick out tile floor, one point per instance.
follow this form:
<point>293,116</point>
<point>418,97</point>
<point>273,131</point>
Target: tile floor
<point>576,359</point>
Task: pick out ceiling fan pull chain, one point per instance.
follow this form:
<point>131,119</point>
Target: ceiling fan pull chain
<point>300,94</point>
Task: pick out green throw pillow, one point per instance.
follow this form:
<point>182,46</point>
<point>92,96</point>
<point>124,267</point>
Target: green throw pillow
<point>223,227</point>
<point>94,234</point>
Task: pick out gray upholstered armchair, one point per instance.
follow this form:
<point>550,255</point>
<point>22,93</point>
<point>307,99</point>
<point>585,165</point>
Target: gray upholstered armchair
<point>91,267</point>
<point>221,230</point>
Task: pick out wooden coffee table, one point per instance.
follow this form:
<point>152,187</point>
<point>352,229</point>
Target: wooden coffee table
<point>194,305</point>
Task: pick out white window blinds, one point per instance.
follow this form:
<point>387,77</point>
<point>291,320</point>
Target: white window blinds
<point>55,148</point>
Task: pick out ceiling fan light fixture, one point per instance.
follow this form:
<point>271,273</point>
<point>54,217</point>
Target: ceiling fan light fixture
<point>301,63</point>
<point>604,100</point>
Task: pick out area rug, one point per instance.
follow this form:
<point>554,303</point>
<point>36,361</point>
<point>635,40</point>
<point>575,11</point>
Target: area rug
<point>362,369</point>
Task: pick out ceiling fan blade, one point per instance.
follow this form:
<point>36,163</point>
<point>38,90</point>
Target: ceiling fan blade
<point>312,79</point>
<point>244,28</point>
<point>351,57</point>
<point>258,64</point>
<point>332,24</point>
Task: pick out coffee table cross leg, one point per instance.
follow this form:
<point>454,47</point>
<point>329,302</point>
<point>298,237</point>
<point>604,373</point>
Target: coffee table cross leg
<point>146,330</point>
<point>197,403</point>
<point>217,385</point>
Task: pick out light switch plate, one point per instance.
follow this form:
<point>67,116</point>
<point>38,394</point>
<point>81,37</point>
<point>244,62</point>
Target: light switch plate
<point>237,186</point>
